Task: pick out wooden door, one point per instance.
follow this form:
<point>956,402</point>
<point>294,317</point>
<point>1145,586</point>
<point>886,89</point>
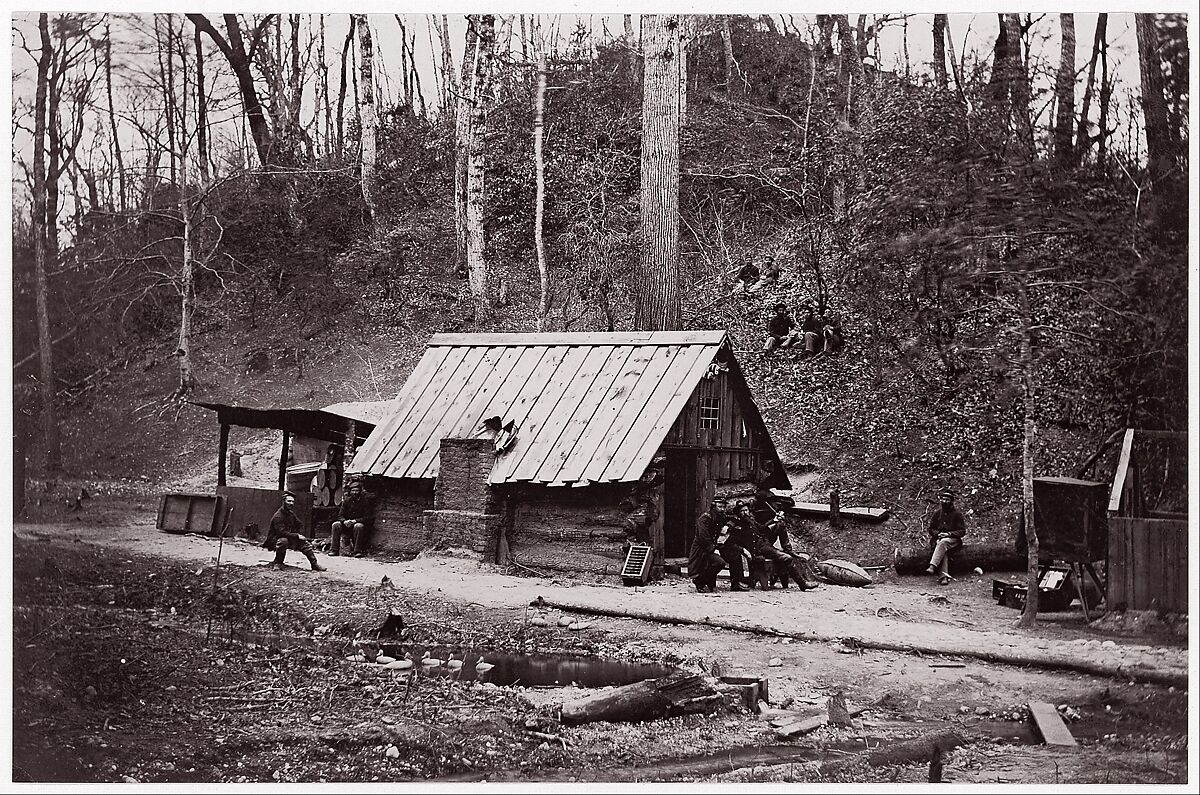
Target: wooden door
<point>679,503</point>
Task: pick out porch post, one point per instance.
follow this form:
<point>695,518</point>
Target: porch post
<point>283,459</point>
<point>222,454</point>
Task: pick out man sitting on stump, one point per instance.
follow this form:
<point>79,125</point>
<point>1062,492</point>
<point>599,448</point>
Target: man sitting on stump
<point>285,534</point>
<point>355,523</point>
<point>756,539</point>
<point>946,530</point>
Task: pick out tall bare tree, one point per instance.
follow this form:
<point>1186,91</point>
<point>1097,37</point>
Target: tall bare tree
<point>476,166</point>
<point>1083,140</point>
<point>366,106</point>
<point>939,51</point>
<point>657,302</point>
<point>539,162</point>
<point>1064,93</point>
<point>462,135</point>
<point>1159,146</point>
<point>46,385</point>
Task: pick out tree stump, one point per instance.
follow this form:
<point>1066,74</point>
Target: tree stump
<point>838,714</point>
<point>677,694</point>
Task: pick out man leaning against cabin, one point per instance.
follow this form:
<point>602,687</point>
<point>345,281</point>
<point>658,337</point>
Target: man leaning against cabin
<point>354,526</point>
<point>285,534</point>
<point>947,527</point>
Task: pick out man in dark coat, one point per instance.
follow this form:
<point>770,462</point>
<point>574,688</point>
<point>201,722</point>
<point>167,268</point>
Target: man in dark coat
<point>285,534</point>
<point>947,526</point>
<point>357,518</point>
<point>775,531</point>
<point>710,551</point>
<point>757,539</point>
<point>781,330</point>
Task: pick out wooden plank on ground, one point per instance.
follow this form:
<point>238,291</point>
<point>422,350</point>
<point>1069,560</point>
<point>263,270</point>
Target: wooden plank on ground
<point>822,508</point>
<point>1050,724</point>
<point>806,725</point>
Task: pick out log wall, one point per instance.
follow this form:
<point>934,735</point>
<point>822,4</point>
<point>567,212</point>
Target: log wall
<point>569,529</point>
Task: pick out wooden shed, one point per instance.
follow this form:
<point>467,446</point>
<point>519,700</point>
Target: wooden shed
<point>307,437</point>
<point>554,451</point>
<point>1148,523</point>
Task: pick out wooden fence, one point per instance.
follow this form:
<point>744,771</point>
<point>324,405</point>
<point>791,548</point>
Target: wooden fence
<point>1148,564</point>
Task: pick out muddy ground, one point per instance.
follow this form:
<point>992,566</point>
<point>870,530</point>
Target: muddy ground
<point>130,666</point>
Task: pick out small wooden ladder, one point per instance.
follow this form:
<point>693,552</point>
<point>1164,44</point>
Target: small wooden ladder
<point>636,570</point>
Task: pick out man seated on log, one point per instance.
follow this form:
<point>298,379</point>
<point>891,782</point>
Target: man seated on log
<point>776,532</point>
<point>946,530</point>
<point>781,330</point>
<point>755,539</point>
<point>747,276</point>
<point>285,534</point>
<point>357,519</point>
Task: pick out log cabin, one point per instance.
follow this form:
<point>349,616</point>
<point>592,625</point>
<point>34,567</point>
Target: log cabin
<point>556,451</point>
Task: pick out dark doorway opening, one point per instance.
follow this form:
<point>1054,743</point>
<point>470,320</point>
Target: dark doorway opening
<point>679,502</point>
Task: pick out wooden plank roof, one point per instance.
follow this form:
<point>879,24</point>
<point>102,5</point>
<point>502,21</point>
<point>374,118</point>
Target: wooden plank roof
<point>589,407</point>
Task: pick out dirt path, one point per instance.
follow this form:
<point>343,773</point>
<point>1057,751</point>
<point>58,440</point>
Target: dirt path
<point>897,614</point>
<point>1128,732</point>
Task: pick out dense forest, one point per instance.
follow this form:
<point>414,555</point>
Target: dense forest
<point>258,209</point>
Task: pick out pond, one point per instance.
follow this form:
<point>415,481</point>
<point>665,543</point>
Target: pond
<point>531,670</point>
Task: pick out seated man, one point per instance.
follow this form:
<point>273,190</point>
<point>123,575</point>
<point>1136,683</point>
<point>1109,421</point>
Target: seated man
<point>747,276</point>
<point>781,330</point>
<point>946,530</point>
<point>777,533</point>
<point>285,534</point>
<point>753,537</point>
<point>812,327</point>
<point>356,519</point>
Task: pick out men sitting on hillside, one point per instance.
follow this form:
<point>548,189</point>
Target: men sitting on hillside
<point>358,508</point>
<point>781,330</point>
<point>747,276</point>
<point>285,534</point>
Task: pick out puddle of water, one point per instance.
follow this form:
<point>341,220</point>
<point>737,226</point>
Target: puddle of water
<point>532,670</point>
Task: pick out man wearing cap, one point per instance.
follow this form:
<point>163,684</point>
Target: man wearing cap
<point>946,530</point>
<point>781,330</point>
<point>285,534</point>
<point>357,514</point>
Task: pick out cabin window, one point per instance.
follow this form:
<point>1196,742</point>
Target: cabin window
<point>710,413</point>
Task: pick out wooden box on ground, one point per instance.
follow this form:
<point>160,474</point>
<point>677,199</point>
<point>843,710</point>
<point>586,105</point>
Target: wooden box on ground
<point>191,513</point>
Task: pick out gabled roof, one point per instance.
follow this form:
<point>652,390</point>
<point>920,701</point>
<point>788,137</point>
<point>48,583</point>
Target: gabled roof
<point>589,407</point>
<point>371,411</point>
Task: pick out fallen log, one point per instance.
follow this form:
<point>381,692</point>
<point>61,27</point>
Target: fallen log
<point>919,749</point>
<point>677,694</point>
<point>914,560</point>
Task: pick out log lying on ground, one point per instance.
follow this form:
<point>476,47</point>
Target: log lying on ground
<point>997,557</point>
<point>677,694</point>
<point>919,749</point>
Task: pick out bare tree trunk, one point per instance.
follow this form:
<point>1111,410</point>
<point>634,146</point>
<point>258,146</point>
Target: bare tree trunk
<point>727,43</point>
<point>939,51</point>
<point>341,104</point>
<point>1019,88</point>
<point>463,121</point>
<point>1082,139</point>
<point>1159,148</point>
<point>366,105</point>
<point>416,75</point>
<point>657,303</point>
<point>201,112</point>
<point>1105,100</point>
<point>539,111</point>
<point>682,33</point>
<point>1064,90</point>
<point>239,56</point>
<point>323,110</point>
<point>112,118</point>
<point>452,84</point>
<point>50,436</point>
<point>187,294</point>
<point>476,166</point>
<point>1029,615</point>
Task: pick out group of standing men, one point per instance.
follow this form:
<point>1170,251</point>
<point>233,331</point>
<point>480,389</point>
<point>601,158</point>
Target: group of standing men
<point>725,536</point>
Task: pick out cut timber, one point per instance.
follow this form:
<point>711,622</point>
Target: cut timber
<point>919,749</point>
<point>654,698</point>
<point>822,508</point>
<point>1050,724</point>
<point>914,560</point>
<point>806,725</point>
